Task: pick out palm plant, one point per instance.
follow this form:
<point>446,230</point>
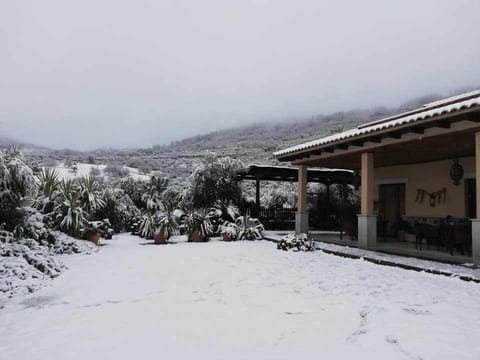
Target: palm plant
<point>167,224</point>
<point>153,193</point>
<point>147,225</point>
<point>199,225</point>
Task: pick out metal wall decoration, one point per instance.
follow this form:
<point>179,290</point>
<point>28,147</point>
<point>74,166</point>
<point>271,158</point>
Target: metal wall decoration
<point>456,172</point>
<point>434,198</point>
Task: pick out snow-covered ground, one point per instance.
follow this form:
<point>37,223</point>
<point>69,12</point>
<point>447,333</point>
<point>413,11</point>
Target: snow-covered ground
<point>83,169</point>
<point>242,300</point>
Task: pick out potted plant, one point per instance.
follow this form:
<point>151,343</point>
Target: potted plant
<point>199,226</point>
<point>229,231</point>
<point>250,228</point>
<point>93,235</point>
<point>166,224</point>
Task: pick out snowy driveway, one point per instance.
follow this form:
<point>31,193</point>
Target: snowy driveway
<point>243,300</point>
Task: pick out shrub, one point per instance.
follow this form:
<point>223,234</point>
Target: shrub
<point>116,171</point>
<point>17,187</point>
<point>295,242</point>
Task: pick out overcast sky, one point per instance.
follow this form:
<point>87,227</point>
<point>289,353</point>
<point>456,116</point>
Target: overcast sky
<point>95,73</point>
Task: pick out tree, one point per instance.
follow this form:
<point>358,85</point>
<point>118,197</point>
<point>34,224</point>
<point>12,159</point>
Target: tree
<point>215,179</point>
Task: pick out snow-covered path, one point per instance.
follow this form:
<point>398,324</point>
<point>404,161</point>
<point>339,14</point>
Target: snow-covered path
<point>243,300</point>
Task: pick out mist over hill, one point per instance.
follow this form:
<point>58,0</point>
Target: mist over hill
<point>253,143</point>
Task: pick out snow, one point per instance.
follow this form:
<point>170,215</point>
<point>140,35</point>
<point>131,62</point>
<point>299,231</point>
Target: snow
<point>239,300</point>
<point>383,124</point>
<point>65,172</point>
<point>464,270</point>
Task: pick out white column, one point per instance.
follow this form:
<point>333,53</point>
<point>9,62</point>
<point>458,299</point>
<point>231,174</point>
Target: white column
<point>476,222</point>
<point>367,221</point>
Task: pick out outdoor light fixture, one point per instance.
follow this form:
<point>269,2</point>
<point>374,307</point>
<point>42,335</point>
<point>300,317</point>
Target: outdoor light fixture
<point>456,172</point>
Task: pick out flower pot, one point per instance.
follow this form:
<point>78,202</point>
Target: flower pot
<point>227,237</point>
<point>160,238</point>
<point>197,236</point>
<point>402,236</point>
<point>94,237</point>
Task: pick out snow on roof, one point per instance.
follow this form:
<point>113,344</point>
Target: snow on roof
<point>293,168</point>
<point>444,106</point>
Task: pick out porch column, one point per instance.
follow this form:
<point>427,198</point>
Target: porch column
<point>476,222</point>
<point>367,221</point>
<point>257,195</point>
<point>301,217</point>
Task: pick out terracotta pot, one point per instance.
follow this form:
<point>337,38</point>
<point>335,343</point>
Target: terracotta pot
<point>402,236</point>
<point>94,237</point>
<point>197,236</point>
<point>226,237</point>
<point>160,238</point>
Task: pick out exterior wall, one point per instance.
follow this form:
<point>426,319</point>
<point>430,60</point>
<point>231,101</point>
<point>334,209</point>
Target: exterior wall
<point>431,177</point>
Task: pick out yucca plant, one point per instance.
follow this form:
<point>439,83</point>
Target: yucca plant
<point>49,189</point>
<point>90,194</point>
<point>71,210</point>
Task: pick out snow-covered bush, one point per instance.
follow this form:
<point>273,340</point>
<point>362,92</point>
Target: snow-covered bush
<point>116,171</point>
<point>134,189</point>
<point>118,208</point>
<point>296,242</point>
<point>101,227</point>
<point>34,226</point>
<point>25,264</point>
<point>17,186</point>
<point>229,231</point>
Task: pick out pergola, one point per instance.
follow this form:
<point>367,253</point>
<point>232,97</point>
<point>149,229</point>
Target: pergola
<point>324,176</point>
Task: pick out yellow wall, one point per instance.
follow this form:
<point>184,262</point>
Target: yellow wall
<point>431,177</point>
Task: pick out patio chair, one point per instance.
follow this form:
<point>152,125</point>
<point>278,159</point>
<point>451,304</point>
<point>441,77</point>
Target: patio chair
<point>429,232</point>
<point>460,239</point>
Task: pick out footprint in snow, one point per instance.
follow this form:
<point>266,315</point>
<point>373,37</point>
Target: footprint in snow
<point>396,345</point>
<point>414,311</point>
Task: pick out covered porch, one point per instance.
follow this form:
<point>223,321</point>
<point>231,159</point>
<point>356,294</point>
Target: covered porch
<point>418,174</point>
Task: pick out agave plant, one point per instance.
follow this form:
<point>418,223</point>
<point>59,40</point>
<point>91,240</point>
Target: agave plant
<point>90,194</point>
<point>250,228</point>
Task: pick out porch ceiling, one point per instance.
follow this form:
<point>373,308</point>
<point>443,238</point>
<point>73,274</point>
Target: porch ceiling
<point>419,150</point>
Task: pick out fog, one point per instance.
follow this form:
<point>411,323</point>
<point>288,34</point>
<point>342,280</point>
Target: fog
<point>88,74</point>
